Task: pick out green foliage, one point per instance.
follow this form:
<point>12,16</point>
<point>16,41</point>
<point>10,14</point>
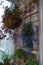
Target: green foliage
<point>1,63</point>
<point>19,53</point>
<point>27,29</point>
<point>7,10</point>
<point>15,7</point>
<point>31,62</point>
<point>12,18</point>
<point>5,58</point>
<point>30,44</point>
<point>16,11</point>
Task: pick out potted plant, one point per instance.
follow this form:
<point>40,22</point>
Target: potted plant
<point>12,18</point>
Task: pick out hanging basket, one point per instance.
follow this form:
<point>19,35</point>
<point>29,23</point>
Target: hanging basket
<point>11,21</point>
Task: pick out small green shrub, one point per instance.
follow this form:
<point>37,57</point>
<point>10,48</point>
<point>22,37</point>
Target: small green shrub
<point>31,62</point>
<point>19,53</point>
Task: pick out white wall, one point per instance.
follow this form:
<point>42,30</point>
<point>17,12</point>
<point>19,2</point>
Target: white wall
<point>41,33</point>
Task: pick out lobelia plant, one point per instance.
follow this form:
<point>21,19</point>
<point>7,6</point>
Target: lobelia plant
<point>27,33</point>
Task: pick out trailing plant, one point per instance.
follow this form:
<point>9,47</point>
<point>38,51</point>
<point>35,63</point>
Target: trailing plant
<point>27,33</point>
<point>12,19</point>
<point>19,53</point>
<point>28,29</point>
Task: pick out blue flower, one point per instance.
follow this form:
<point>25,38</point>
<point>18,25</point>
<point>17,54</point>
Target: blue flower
<point>27,51</point>
<point>34,37</point>
<point>35,28</point>
<point>20,36</point>
<point>27,38</point>
<point>24,45</point>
